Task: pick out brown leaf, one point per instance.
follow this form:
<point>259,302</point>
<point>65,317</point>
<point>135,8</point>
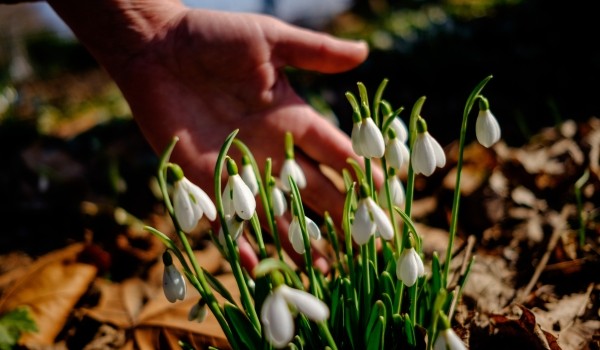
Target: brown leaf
<point>50,288</point>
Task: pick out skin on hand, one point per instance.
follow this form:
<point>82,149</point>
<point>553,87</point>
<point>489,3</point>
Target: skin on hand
<point>200,74</point>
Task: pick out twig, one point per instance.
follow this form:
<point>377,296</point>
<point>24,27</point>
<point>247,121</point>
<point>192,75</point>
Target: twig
<point>558,230</point>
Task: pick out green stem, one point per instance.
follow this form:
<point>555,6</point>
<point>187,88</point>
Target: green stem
<point>299,210</point>
<point>456,199</point>
<point>205,287</point>
<point>324,328</point>
<point>234,259</point>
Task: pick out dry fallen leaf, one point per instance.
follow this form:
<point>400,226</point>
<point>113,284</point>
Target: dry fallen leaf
<point>140,306</point>
<point>50,288</point>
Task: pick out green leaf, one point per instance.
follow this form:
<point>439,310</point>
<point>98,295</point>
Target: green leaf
<point>386,283</point>
<point>246,335</point>
<point>409,331</point>
<point>376,327</point>
<point>218,286</point>
<point>13,324</point>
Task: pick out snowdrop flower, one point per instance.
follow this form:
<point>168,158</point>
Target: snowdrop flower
<point>237,197</point>
<point>367,140</point>
<point>295,233</point>
<point>369,219</point>
<point>396,191</point>
<point>396,152</point>
<point>277,317</point>
<point>173,282</point>
<point>198,312</point>
<point>248,175</point>
<point>277,199</point>
<point>399,128</point>
<point>487,128</point>
<point>447,339</point>
<point>427,153</point>
<point>190,202</point>
<point>235,227</point>
<point>290,167</point>
<point>409,267</point>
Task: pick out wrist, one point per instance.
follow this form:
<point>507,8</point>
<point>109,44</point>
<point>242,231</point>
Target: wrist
<point>116,30</point>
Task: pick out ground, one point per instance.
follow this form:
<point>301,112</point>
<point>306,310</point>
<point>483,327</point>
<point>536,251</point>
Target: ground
<point>78,184</point>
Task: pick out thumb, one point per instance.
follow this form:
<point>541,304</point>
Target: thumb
<point>310,50</point>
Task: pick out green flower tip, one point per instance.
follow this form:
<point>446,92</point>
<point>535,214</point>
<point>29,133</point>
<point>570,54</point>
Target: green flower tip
<point>176,171</point>
<point>484,104</point>
<point>391,133</point>
<point>231,167</point>
<point>365,191</point>
<point>245,160</point>
<point>167,258</point>
<point>421,125</point>
<point>391,172</point>
<point>277,278</point>
<point>289,145</point>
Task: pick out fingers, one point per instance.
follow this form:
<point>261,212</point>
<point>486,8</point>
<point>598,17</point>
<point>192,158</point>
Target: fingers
<point>310,50</point>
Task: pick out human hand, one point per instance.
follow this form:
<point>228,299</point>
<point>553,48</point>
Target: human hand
<point>200,74</point>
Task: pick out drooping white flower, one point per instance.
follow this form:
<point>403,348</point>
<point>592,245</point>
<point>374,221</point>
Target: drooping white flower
<point>190,203</point>
<point>487,128</point>
<point>278,200</point>
<point>409,267</point>
<point>248,175</point>
<point>427,153</point>
<point>198,312</point>
<point>290,168</point>
<point>235,226</point>
<point>396,153</point>
<point>396,192</point>
<point>295,233</point>
<point>400,129</point>
<point>370,140</point>
<point>237,197</point>
<point>277,318</point>
<point>173,282</point>
<point>448,340</point>
<point>370,219</point>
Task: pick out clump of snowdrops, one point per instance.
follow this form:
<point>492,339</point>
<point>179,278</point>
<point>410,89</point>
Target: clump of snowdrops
<point>378,293</point>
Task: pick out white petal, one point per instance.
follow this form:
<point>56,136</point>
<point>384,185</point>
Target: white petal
<point>228,207</point>
<point>407,269</point>
<point>355,137</point>
<point>394,154</point>
<point>173,284</point>
<point>371,139</point>
<point>384,226</point>
<point>204,202</point>
<point>186,212</point>
<point>291,169</point>
<point>279,202</point>
<point>400,129</point>
<point>447,339</point>
<point>396,193</point>
<point>438,151</point>
<point>277,320</point>
<point>306,303</point>
<point>295,236</point>
<point>313,230</point>
<point>423,158</point>
<point>362,227</point>
<point>243,199</point>
<point>249,178</point>
<point>487,128</point>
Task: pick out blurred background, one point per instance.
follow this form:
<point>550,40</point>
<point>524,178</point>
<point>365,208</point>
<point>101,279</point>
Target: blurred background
<point>70,152</point>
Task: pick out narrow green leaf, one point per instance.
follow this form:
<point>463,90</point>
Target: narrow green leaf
<point>246,335</point>
<point>218,286</point>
